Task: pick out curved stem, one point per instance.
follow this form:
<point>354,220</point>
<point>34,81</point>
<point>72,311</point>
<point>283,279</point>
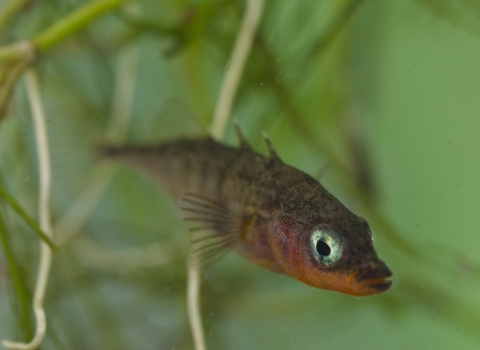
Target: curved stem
<point>235,68</point>
<point>38,114</point>
<point>228,90</point>
<point>193,299</point>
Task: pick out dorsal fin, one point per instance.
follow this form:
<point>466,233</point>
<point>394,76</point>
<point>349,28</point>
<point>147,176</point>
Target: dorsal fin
<point>241,137</point>
<point>271,151</point>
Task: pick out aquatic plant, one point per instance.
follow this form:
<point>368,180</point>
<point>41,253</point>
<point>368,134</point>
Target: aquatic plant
<point>377,99</point>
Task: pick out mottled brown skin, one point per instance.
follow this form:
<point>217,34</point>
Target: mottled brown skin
<point>280,207</point>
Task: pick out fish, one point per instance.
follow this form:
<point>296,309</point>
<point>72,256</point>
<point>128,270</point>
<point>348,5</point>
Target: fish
<point>272,214</point>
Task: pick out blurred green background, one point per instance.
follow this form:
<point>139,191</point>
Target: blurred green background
<point>378,98</point>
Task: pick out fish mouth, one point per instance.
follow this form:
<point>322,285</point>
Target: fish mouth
<point>379,285</point>
<point>373,279</point>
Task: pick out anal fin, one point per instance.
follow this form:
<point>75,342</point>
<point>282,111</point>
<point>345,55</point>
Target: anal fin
<point>214,229</point>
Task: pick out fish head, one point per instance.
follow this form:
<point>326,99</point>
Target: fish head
<point>331,254</point>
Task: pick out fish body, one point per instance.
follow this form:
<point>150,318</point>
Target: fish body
<point>274,215</point>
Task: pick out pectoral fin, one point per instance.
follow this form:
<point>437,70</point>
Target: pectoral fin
<point>214,229</point>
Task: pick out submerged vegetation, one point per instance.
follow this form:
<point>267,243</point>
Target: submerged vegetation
<point>377,99</point>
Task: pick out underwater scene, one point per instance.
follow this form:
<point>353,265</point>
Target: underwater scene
<point>239,174</point>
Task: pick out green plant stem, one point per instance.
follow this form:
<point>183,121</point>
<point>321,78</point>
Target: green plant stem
<point>61,29</point>
<point>19,286</point>
<point>28,219</point>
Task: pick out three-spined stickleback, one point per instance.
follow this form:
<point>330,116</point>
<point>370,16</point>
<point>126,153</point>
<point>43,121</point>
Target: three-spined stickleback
<point>274,215</point>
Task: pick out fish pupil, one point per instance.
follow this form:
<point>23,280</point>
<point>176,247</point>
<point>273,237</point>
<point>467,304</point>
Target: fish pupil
<point>323,248</point>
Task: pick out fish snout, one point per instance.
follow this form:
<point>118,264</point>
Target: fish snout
<point>373,278</point>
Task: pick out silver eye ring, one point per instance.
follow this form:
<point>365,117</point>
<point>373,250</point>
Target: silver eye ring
<point>326,246</point>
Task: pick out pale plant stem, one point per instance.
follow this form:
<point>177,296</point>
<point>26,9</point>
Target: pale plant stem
<point>33,92</point>
<point>82,209</point>
<point>193,305</point>
<point>235,67</point>
<point>125,77</point>
<point>223,109</point>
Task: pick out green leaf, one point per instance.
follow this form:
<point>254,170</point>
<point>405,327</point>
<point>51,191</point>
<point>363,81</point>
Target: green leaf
<point>18,282</point>
<point>28,219</point>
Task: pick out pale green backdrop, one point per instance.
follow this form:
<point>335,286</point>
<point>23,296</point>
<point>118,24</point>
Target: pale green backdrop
<point>381,95</point>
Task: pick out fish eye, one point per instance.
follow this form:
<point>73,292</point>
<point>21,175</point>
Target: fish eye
<point>326,245</point>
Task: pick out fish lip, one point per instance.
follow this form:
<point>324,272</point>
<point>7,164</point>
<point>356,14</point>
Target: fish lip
<point>373,279</point>
<point>379,285</point>
<point>372,273</point>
